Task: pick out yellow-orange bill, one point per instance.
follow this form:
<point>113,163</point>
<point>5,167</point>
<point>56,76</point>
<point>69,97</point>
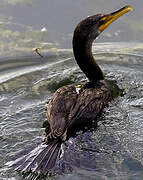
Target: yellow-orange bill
<point>109,18</point>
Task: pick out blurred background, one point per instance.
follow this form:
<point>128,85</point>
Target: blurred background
<point>25,24</point>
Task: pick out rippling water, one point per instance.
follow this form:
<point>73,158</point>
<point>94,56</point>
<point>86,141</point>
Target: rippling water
<point>113,150</point>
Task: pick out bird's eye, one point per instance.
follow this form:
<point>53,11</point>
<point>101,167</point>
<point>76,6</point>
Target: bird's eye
<point>103,19</point>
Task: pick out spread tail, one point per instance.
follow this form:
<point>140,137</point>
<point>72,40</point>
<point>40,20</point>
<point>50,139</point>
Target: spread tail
<point>42,159</point>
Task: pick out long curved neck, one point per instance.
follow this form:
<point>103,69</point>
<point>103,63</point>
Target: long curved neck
<point>83,54</point>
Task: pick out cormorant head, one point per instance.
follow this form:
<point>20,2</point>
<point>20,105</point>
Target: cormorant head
<point>89,28</point>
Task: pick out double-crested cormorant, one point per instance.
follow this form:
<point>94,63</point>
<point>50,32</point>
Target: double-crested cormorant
<point>68,108</point>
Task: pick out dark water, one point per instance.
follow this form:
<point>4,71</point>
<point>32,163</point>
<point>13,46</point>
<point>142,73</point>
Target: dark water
<point>113,150</point>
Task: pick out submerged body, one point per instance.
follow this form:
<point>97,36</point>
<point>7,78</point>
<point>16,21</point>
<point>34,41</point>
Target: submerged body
<point>69,108</point>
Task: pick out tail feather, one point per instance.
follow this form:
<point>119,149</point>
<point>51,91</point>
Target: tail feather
<point>41,159</point>
<point>49,159</point>
<point>29,162</point>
